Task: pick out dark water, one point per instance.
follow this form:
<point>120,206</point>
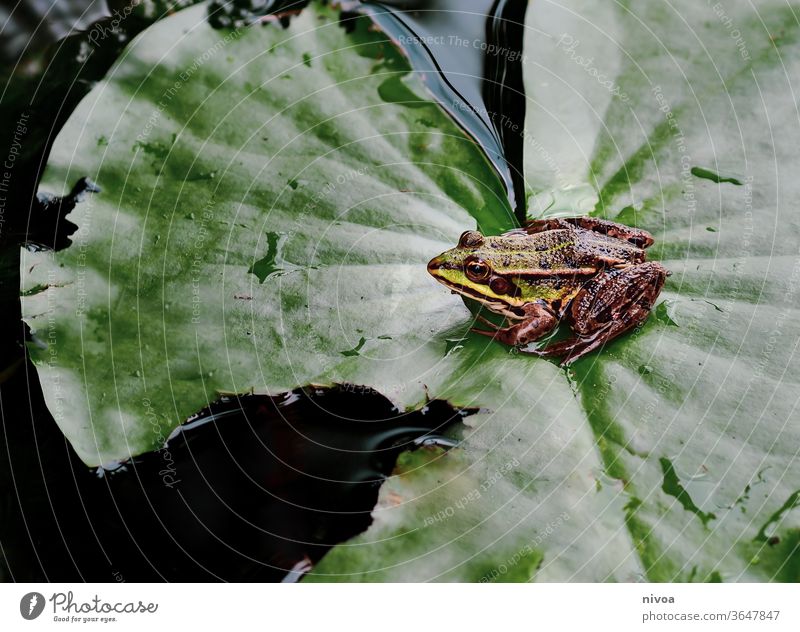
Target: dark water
<point>248,490</point>
<point>252,487</point>
<point>469,54</point>
<point>239,13</point>
<point>26,33</point>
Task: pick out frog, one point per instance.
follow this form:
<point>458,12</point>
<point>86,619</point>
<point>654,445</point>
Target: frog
<point>588,272</point>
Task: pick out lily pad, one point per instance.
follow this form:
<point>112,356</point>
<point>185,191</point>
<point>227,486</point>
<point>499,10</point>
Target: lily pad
<point>258,214</point>
<point>694,460</point>
<point>200,269</point>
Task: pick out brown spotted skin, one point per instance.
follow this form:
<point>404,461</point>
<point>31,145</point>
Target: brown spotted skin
<point>539,320</point>
<point>618,295</point>
<point>559,251</point>
<point>613,301</point>
<point>635,236</point>
<point>609,305</point>
<point>591,273</point>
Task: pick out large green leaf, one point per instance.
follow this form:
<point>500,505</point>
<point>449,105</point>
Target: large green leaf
<point>644,112</point>
<point>286,195</point>
<point>266,205</point>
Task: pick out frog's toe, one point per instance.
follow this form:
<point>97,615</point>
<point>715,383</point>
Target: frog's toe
<point>557,350</point>
<point>483,332</point>
<point>488,322</point>
<point>575,348</point>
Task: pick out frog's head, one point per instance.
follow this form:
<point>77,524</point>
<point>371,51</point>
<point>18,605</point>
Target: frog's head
<point>478,268</point>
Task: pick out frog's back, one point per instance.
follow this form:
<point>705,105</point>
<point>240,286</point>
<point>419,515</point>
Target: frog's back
<point>540,254</point>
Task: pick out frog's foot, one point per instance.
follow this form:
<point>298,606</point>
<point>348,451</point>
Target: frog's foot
<point>488,322</point>
<point>635,236</point>
<point>574,348</point>
<point>538,321</point>
<point>609,305</point>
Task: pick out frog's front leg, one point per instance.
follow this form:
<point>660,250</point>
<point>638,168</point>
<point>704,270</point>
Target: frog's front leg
<point>609,305</point>
<point>537,321</point>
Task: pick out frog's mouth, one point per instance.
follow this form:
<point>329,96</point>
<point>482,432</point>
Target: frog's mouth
<point>497,305</point>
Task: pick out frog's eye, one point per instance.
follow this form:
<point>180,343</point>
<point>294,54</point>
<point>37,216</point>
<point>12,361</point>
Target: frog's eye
<point>477,270</point>
<point>470,239</point>
<point>499,285</point>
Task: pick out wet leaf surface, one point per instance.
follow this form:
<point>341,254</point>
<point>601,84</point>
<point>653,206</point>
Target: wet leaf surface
<point>201,268</point>
<point>685,429</point>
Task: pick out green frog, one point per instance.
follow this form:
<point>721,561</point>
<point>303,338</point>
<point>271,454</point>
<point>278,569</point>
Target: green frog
<point>589,272</point>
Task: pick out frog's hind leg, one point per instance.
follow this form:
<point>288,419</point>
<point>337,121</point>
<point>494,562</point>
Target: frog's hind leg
<point>534,226</point>
<point>609,305</point>
<point>635,236</point>
<point>537,322</point>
